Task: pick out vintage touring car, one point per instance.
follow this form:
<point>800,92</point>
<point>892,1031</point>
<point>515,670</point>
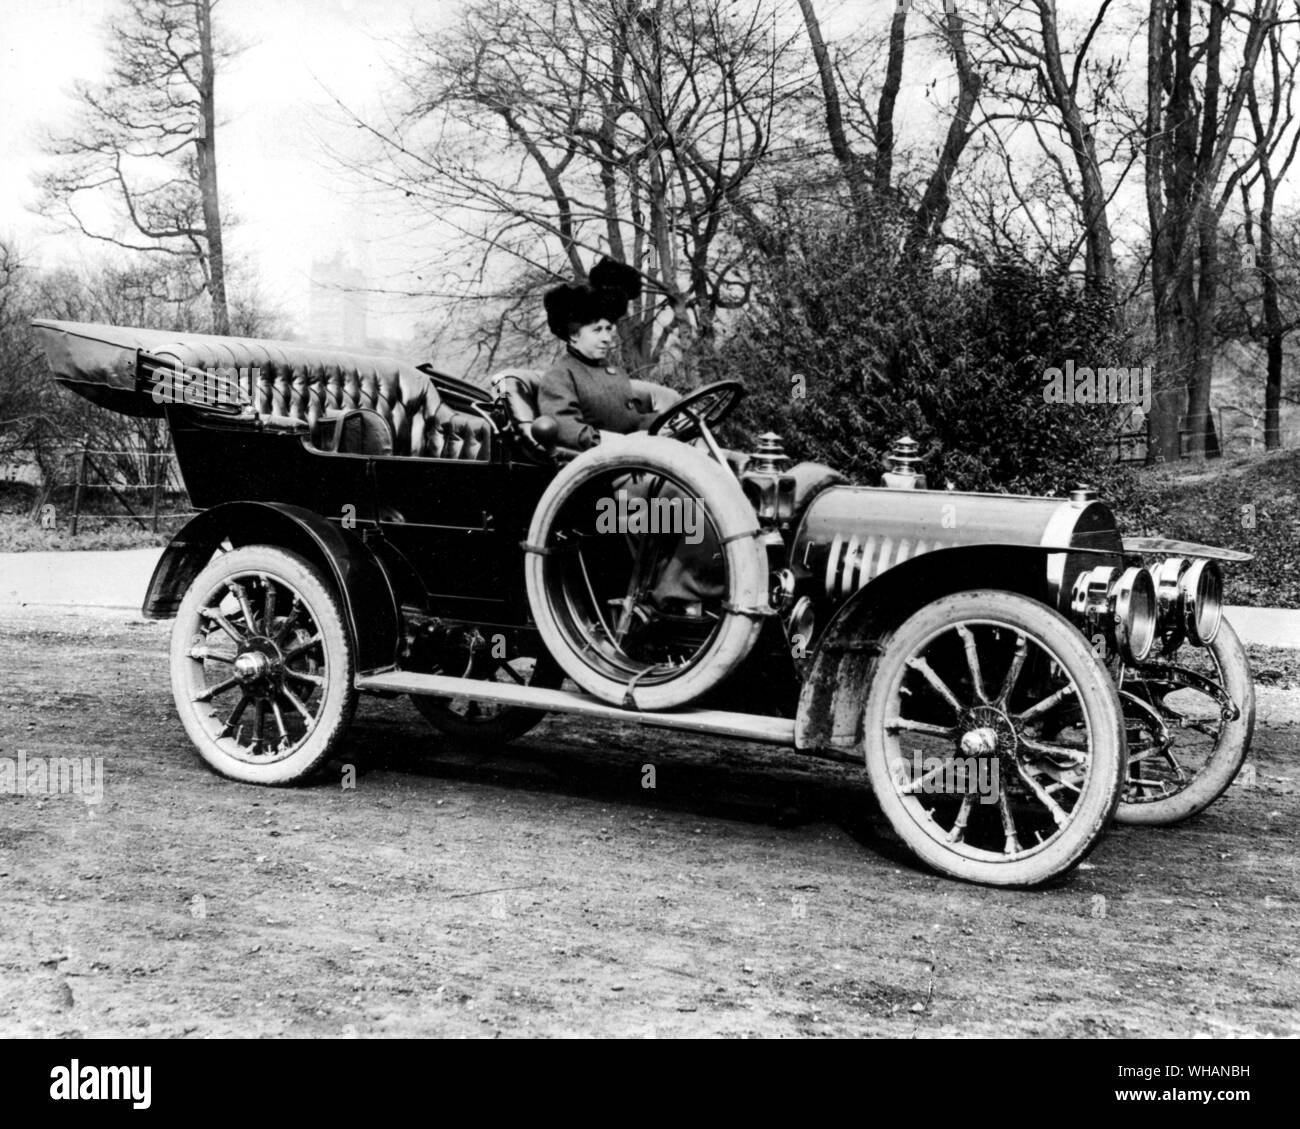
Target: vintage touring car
<point>1012,673</point>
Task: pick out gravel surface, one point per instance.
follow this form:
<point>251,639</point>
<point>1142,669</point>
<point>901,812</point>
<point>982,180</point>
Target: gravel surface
<point>541,890</point>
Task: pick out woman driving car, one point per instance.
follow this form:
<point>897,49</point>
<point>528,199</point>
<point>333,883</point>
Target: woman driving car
<point>583,390</point>
<point>587,394</point>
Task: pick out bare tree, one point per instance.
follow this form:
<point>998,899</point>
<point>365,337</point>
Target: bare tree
<point>146,140</point>
<point>1191,127</point>
<point>1063,92</point>
<point>38,419</point>
<point>851,164</point>
<point>548,132</point>
<point>1186,126</point>
<point>874,195</point>
<point>1065,104</point>
<point>23,415</point>
<point>933,208</point>
<point>1276,139</point>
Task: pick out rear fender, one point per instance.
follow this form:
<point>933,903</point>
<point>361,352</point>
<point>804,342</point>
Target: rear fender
<point>831,700</point>
<point>368,595</point>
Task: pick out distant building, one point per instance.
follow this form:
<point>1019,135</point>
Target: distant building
<point>337,308</point>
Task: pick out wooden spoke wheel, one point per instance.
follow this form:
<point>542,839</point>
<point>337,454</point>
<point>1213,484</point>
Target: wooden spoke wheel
<point>261,666</point>
<point>993,738</point>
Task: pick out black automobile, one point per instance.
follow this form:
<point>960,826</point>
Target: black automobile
<point>1012,673</point>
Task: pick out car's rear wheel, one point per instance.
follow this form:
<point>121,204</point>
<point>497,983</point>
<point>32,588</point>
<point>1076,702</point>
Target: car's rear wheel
<point>261,666</point>
<point>485,725</point>
<point>993,738</point>
<point>1190,721</point>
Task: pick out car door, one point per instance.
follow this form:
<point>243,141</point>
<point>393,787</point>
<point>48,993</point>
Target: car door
<point>459,523</point>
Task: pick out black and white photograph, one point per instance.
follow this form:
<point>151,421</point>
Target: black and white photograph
<point>651,519</point>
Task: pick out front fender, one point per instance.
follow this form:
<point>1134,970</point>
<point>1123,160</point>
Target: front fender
<point>830,701</point>
<point>362,584</point>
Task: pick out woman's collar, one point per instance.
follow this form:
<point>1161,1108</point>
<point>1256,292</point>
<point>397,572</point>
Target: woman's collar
<point>586,360</point>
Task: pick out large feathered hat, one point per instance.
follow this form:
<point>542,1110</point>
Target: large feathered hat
<point>611,287</point>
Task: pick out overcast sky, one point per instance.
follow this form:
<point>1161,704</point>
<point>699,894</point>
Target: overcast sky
<point>292,204</point>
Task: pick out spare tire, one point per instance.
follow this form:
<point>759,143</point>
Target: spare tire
<point>591,587</point>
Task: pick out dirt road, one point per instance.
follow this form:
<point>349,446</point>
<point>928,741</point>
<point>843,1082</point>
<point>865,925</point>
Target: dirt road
<point>543,890</point>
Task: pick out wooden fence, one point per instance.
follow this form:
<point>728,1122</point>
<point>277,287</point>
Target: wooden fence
<point>88,463</point>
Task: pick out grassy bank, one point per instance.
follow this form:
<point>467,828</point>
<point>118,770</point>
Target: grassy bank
<point>21,533</point>
<point>1249,503</point>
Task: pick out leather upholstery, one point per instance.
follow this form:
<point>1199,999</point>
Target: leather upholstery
<point>365,432</point>
<point>517,388</point>
<point>357,431</point>
<point>304,382</point>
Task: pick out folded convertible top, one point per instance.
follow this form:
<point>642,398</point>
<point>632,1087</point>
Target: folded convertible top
<point>103,362</point>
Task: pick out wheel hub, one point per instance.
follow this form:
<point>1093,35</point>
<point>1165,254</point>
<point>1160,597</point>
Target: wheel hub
<point>258,663</point>
<point>987,732</point>
<point>979,742</point>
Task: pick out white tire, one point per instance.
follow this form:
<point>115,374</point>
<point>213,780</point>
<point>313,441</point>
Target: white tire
<point>262,667</point>
<point>572,612</point>
<point>1206,747</point>
<point>929,751</point>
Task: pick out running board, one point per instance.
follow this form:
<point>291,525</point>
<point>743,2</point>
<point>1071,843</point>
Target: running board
<point>719,723</point>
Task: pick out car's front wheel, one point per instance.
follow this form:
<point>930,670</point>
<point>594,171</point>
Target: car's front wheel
<point>993,738</point>
<point>262,666</point>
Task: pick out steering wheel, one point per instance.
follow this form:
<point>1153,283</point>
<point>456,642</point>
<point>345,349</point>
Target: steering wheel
<point>709,406</point>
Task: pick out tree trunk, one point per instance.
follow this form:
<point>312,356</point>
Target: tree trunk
<point>848,160</point>
<point>1166,405</point>
<point>1170,172</point>
<point>206,146</point>
<point>1274,331</point>
<point>1202,224</point>
<point>1200,427</point>
<point>1169,399</point>
<point>933,209</point>
<point>1100,261</point>
<point>1268,139</point>
<point>888,98</point>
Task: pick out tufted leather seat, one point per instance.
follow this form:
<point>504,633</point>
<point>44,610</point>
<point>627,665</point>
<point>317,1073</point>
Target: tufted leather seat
<point>358,431</point>
<point>304,382</point>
